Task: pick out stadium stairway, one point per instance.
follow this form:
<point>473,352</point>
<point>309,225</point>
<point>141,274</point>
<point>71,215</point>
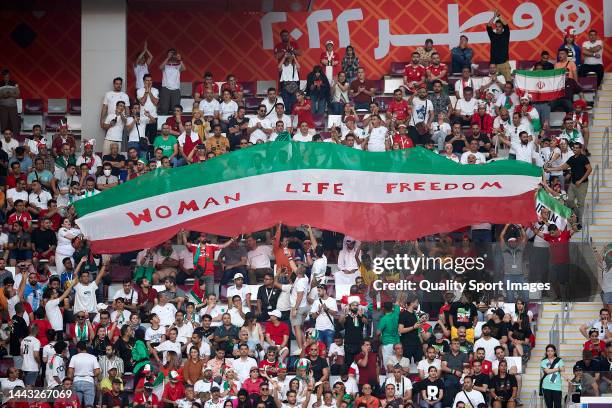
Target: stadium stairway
<point>550,323</point>
<point>600,219</point>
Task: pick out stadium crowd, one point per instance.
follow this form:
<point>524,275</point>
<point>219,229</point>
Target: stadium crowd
<point>186,328</point>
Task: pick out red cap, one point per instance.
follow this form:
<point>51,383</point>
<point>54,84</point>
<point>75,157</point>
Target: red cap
<point>580,102</point>
<point>350,117</point>
<point>422,86</point>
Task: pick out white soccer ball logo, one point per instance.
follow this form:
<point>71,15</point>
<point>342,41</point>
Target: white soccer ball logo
<point>564,16</point>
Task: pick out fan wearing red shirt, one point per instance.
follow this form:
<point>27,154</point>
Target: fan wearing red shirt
<point>398,108</point>
<point>20,216</point>
<point>174,390</point>
<point>594,345</point>
<point>483,119</point>
<point>15,174</point>
<point>437,70</point>
<point>208,83</point>
<point>277,332</point>
<point>176,121</point>
<point>486,367</point>
<point>414,74</point>
<point>286,46</point>
<point>205,264</point>
<point>147,397</point>
<point>302,108</point>
<point>368,365</point>
<point>231,85</point>
<point>401,137</point>
<point>558,242</point>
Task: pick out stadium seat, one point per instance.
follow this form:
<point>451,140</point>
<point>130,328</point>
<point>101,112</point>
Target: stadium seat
<point>556,119</point>
<point>391,84</point>
<point>53,122</point>
<point>451,82</point>
<point>252,103</point>
<point>525,64</point>
<point>185,88</point>
<point>379,86</point>
<point>482,68</point>
<point>161,119</point>
<point>5,364</point>
<point>397,68</point>
<point>74,106</point>
<point>187,104</point>
<point>74,123</point>
<point>325,135</point>
<point>334,120</point>
<point>248,88</point>
<point>383,101</point>
<point>262,86</point>
<point>319,120</point>
<point>120,272</point>
<point>30,120</point>
<point>33,106</point>
<point>57,106</point>
<point>588,83</point>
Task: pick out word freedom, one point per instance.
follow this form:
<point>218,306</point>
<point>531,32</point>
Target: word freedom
<point>455,286</point>
<point>411,263</point>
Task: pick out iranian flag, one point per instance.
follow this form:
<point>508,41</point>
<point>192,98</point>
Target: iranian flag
<point>545,85</point>
<point>559,214</point>
<point>396,195</point>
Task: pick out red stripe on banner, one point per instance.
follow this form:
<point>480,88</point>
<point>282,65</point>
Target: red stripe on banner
<point>539,96</point>
<point>363,221</point>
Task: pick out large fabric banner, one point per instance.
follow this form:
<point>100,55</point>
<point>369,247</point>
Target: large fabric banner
<point>395,195</point>
<point>381,31</point>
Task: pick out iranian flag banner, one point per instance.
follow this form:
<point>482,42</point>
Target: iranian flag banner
<point>545,85</point>
<point>395,195</point>
<point>559,214</point>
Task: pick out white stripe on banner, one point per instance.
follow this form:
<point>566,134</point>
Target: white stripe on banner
<point>542,84</point>
<point>312,185</point>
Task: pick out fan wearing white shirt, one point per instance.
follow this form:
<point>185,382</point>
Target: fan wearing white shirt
<point>148,97</point>
<point>303,134</point>
<point>141,66</point>
<point>85,292</point>
<point>515,128</point>
<point>164,310</point>
<point>465,81</point>
<point>30,351</point>
<point>422,108</point>
<point>279,114</point>
<point>466,106</point>
<point>227,108</point>
<point>592,50</point>
<point>271,101</point>
<point>111,98</point>
<point>473,151</point>
<point>494,83</point>
<point>525,150</point>
<point>114,124</point>
<point>509,99</point>
<point>377,140</point>
<point>84,368</point>
<point>210,106</point>
<point>55,371</point>
<point>172,344</point>
<point>170,93</point>
<point>259,126</point>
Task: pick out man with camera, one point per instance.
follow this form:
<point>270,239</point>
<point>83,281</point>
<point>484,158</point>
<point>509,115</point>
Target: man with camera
<point>170,93</point>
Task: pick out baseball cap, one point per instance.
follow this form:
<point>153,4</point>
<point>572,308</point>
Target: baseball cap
<point>173,376</point>
<point>238,276</point>
<point>329,42</point>
<point>276,313</point>
<point>146,368</point>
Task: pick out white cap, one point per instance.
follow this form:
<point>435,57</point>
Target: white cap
<point>276,313</point>
<point>238,276</point>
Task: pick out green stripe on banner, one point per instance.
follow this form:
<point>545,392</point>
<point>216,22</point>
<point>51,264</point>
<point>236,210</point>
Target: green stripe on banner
<point>553,205</point>
<point>540,74</point>
<point>284,156</point>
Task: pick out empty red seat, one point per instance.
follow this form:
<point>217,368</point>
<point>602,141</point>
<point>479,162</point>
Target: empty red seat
<point>248,88</point>
<point>5,364</point>
<point>383,101</point>
<point>482,68</point>
<point>320,120</point>
<point>325,135</point>
<point>588,83</point>
<point>74,106</point>
<point>53,122</point>
<point>525,64</point>
<point>379,86</point>
<point>397,68</point>
<point>120,272</point>
<point>33,106</point>
<point>251,103</point>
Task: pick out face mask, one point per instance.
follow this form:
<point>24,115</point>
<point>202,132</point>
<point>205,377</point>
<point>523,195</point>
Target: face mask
<point>439,335</point>
<point>107,172</point>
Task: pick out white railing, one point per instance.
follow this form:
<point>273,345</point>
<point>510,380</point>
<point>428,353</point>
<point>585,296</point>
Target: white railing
<point>565,317</point>
<point>553,335</point>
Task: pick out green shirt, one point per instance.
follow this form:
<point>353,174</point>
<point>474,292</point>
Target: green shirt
<point>167,146</point>
<point>387,326</point>
<point>552,381</point>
